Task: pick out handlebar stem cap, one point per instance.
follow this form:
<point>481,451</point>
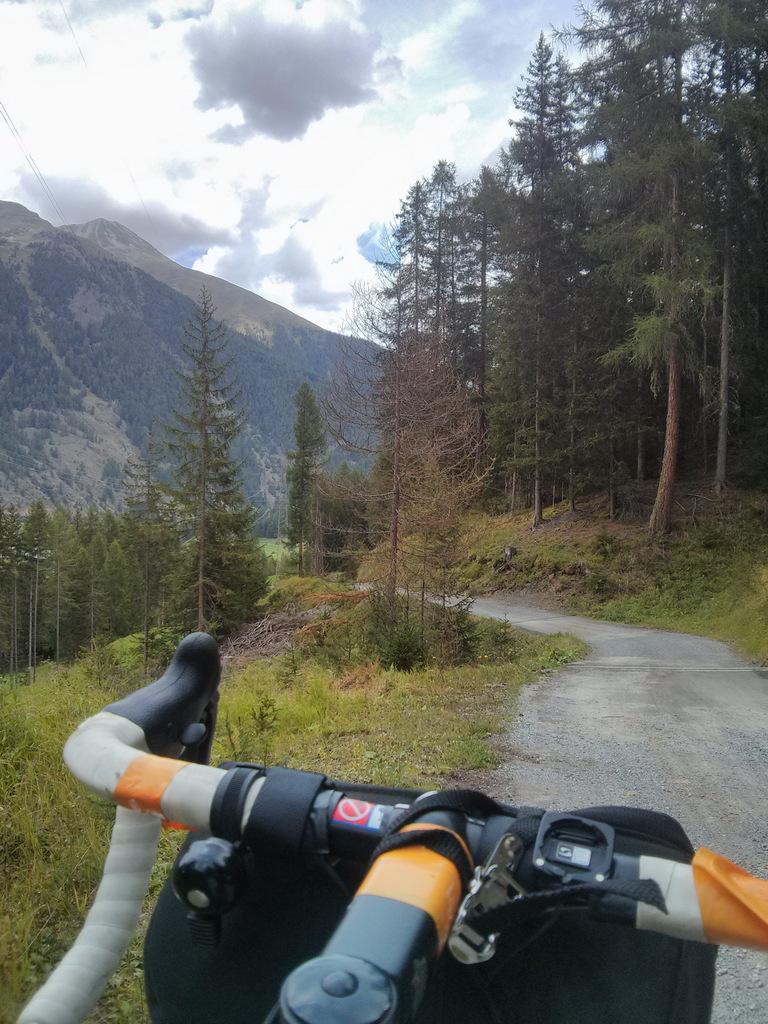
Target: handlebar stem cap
<point>338,990</point>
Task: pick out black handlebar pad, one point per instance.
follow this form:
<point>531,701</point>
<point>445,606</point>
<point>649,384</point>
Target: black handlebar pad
<point>186,694</point>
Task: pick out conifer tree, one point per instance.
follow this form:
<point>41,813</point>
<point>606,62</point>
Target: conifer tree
<point>10,564</point>
<point>542,261</point>
<point>634,77</point>
<point>206,484</point>
<point>303,467</point>
<point>62,541</point>
<point>152,532</point>
<point>34,538</point>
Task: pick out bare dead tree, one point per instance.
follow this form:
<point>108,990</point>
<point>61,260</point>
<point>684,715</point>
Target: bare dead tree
<point>396,399</point>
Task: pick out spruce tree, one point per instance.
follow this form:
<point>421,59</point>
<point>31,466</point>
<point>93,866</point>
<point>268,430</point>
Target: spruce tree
<point>653,242</point>
<point>34,538</point>
<point>153,533</point>
<point>10,563</point>
<point>541,257</point>
<point>303,467</point>
<point>206,484</point>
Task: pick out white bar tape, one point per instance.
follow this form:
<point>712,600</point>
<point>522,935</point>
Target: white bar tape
<point>678,887</point>
<point>75,986</point>
<point>189,795</point>
<point>101,748</point>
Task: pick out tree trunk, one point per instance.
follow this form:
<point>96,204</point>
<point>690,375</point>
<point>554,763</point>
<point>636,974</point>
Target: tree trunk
<point>537,515</point>
<point>640,473</point>
<point>725,320</point>
<point>394,513</point>
<point>15,622</point>
<point>662,508</point>
<point>483,327</point>
<point>725,354</point>
<point>93,605</point>
<point>725,333</point>
<point>611,477</point>
<point>29,637</point>
<point>661,515</point>
<point>34,638</point>
<point>58,611</point>
<point>572,436</point>
<point>146,606</point>
<point>423,602</point>
<point>201,536</point>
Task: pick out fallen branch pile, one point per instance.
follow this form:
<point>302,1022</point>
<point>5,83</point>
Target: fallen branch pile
<point>268,637</point>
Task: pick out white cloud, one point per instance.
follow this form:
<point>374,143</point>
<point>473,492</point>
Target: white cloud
<point>283,215</point>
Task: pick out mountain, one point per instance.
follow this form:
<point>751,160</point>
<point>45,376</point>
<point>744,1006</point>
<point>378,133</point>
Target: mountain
<point>91,327</point>
<point>241,309</point>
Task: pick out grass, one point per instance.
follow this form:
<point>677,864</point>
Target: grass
<point>709,576</point>
<point>274,548</point>
<point>299,592</point>
<point>357,721</point>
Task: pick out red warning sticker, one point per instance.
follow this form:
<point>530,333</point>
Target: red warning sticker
<point>358,813</point>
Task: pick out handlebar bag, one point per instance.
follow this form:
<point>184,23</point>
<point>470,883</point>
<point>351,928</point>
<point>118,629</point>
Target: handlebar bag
<point>578,970</point>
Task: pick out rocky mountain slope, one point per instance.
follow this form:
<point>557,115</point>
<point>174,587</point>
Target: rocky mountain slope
<point>91,325</point>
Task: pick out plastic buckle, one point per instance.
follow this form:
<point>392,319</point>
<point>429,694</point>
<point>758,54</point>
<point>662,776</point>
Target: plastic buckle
<point>490,888</point>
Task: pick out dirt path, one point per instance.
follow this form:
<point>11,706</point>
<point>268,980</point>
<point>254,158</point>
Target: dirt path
<point>653,719</point>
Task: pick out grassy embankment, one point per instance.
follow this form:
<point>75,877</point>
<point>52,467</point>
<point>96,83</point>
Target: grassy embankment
<point>325,705</point>
<point>709,576</point>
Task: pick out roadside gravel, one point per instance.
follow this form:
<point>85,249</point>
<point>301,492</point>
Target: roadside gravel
<point>668,721</point>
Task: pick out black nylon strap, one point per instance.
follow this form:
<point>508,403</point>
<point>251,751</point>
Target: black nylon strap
<point>465,801</point>
<point>436,839</point>
<point>526,828</point>
<point>640,891</point>
<point>229,802</point>
<point>279,816</point>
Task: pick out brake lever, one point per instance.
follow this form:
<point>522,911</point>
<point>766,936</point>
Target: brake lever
<point>494,885</point>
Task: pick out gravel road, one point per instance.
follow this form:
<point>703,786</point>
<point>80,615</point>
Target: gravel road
<point>668,721</point>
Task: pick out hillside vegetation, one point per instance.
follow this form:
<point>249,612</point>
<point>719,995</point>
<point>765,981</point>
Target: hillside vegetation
<point>329,705</point>
<point>91,336</point>
<point>709,576</point>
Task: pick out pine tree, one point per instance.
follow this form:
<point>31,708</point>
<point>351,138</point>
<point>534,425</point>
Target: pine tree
<point>653,242</point>
<point>303,467</point>
<point>63,541</point>
<point>153,532</point>
<point>541,259</point>
<point>120,590</point>
<point>10,564</point>
<point>206,486</point>
<point>34,538</point>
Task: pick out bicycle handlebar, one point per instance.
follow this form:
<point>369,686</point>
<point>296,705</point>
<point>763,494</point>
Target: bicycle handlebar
<point>412,890</point>
<point>172,712</point>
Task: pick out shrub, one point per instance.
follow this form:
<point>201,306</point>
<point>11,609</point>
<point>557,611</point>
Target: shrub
<point>399,645</point>
<point>251,736</point>
<point>605,545</point>
<point>452,635</point>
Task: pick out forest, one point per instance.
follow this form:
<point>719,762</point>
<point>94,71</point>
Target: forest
<point>600,291</point>
<point>586,317</point>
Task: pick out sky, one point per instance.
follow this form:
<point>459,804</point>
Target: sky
<point>267,142</point>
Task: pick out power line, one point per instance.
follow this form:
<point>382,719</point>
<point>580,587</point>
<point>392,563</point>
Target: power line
<point>72,32</point>
<point>16,135</point>
<point>123,157</point>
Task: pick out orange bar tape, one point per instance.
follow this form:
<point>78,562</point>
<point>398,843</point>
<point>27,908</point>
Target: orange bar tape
<point>145,780</point>
<point>733,903</point>
<point>421,878</point>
